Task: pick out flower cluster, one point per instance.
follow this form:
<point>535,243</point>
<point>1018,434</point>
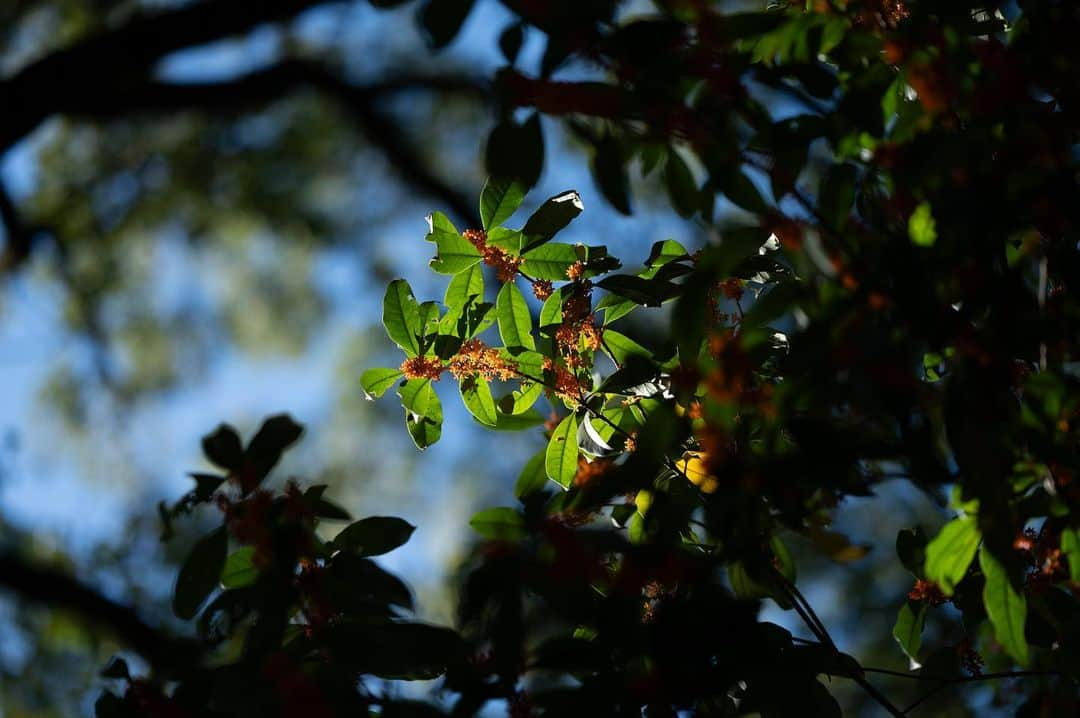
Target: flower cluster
<point>476,358</point>
<point>927,591</point>
<point>422,368</point>
<point>567,386</point>
<point>542,289</point>
<point>506,266</point>
<point>589,470</point>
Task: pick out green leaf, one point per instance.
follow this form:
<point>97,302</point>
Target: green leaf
<point>423,431</point>
<point>373,536</point>
<point>377,381</point>
<point>561,458</point>
<point>552,216</point>
<point>525,419</point>
<point>1070,546</point>
<point>439,223</point>
<point>224,448</point>
<point>648,292</point>
<point>1006,608</point>
<point>240,569</point>
<point>510,41</point>
<point>401,316</point>
<point>837,195</point>
<point>199,575</point>
<point>549,261</point>
<point>908,630</point>
<point>521,400</point>
<point>609,171</point>
<point>533,477</point>
<point>551,311</point>
<point>738,188</point>
<point>616,307</point>
<point>453,254</point>
<point>501,523</point>
<point>619,347</point>
<point>419,398</point>
<point>516,151</point>
<point>921,226</point>
<point>465,284</point>
<point>515,321</point>
<point>499,199</point>
<point>681,188</point>
<point>508,240</point>
<point>264,450</point>
<point>442,19</point>
<point>476,394</point>
<point>666,252</point>
<point>911,550</point>
<point>951,552</point>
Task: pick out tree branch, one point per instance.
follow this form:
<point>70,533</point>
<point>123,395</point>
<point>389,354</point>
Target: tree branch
<point>108,62</point>
<point>56,589</point>
<point>261,87</point>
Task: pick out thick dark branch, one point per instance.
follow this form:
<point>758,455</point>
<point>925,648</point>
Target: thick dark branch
<point>259,88</point>
<point>108,62</point>
<point>58,590</point>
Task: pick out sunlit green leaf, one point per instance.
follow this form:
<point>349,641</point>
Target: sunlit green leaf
<point>1005,606</point>
<point>453,254</point>
<point>561,458</point>
<point>498,200</point>
<point>505,524</point>
<point>908,630</point>
<point>240,569</point>
<point>921,226</point>
<point>401,316</point>
<point>549,261</point>
<point>515,320</point>
<point>476,394</point>
<point>950,553</point>
<point>377,381</point>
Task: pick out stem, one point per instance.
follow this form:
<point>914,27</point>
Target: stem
<point>963,679</point>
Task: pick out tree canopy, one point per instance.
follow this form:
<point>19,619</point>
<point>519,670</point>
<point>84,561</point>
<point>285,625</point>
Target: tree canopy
<point>887,193</point>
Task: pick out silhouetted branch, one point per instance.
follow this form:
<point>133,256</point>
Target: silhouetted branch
<point>58,590</point>
<point>109,62</point>
<point>17,237</point>
<point>264,86</point>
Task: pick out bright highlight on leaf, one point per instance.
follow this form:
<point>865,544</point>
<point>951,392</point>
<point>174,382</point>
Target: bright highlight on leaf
<point>921,227</point>
<point>1006,607</point>
<point>950,553</point>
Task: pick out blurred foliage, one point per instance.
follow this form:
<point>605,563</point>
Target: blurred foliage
<point>888,187</point>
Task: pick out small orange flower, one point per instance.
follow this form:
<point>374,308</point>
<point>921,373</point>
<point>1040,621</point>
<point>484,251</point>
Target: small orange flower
<point>475,358</point>
<point>542,289</point>
<point>506,266</point>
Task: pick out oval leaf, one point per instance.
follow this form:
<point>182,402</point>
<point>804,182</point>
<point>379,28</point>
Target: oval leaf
<point>561,457</point>
<point>199,575</point>
<point>499,199</point>
<point>951,552</point>
<point>374,535</point>
<point>401,316</point>
<point>377,381</point>
<point>1005,606</point>
<point>515,321</point>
